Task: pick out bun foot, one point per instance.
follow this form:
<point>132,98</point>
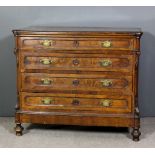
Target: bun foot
<point>136,133</point>
<point>19,129</point>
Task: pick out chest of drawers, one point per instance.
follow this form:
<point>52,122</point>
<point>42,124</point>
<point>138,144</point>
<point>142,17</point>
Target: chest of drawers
<point>78,76</point>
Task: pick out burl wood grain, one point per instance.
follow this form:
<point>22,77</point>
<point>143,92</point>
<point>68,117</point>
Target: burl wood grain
<point>74,103</point>
<point>79,43</point>
<point>83,62</point>
<point>63,82</point>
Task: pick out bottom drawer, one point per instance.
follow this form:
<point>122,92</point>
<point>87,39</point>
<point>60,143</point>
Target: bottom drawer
<point>70,102</point>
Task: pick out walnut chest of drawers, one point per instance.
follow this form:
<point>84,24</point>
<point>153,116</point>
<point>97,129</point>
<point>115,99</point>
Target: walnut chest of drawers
<point>78,76</point>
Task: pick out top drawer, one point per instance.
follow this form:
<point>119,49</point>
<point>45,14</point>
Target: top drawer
<point>78,43</point>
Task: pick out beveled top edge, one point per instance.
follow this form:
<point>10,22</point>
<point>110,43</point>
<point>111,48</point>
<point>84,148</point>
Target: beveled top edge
<point>78,29</point>
<point>92,31</point>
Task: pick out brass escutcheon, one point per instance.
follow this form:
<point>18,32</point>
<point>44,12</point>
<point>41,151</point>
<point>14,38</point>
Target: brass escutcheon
<point>75,102</point>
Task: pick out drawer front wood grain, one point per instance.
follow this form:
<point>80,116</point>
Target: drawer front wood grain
<point>38,82</point>
<point>86,62</point>
<point>78,43</point>
<point>50,102</point>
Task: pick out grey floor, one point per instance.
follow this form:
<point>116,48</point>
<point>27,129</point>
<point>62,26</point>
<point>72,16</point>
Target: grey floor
<point>46,136</point>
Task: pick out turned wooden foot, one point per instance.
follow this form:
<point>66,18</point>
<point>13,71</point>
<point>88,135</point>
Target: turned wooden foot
<point>19,129</point>
<point>136,133</point>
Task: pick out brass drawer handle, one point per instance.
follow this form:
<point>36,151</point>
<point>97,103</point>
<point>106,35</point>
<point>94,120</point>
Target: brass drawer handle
<point>47,101</point>
<point>106,103</point>
<point>106,44</point>
<point>106,83</point>
<point>46,61</point>
<point>46,43</point>
<point>105,63</point>
<point>46,81</point>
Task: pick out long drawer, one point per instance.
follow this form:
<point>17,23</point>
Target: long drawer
<point>40,82</point>
<point>69,102</point>
<point>78,43</point>
<point>83,62</point>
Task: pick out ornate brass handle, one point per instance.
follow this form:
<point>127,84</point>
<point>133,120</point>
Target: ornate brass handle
<point>106,83</point>
<point>105,63</point>
<point>106,44</point>
<point>106,103</point>
<point>46,61</point>
<point>47,101</point>
<point>46,43</point>
<point>46,81</point>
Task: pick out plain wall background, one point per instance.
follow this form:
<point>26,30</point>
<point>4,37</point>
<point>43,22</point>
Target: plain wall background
<point>20,17</point>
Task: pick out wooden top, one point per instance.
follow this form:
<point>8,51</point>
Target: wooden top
<point>75,30</point>
<point>78,29</point>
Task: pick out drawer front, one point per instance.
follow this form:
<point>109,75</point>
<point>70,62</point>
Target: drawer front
<point>80,43</point>
<point>51,82</point>
<point>78,62</point>
<point>49,102</point>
